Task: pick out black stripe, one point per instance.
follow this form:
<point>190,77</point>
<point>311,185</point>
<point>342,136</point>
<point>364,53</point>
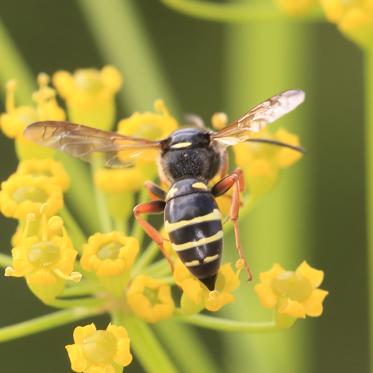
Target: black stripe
<point>195,232</point>
<point>189,206</point>
<point>201,252</point>
<point>205,270</point>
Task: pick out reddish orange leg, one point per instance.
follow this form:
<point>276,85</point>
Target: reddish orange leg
<point>155,191</point>
<point>236,181</point>
<point>153,207</point>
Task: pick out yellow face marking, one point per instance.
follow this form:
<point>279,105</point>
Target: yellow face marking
<point>208,259</point>
<point>202,241</point>
<point>181,145</point>
<point>214,215</point>
<point>171,192</point>
<point>199,185</point>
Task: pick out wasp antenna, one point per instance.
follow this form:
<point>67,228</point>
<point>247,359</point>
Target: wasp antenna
<point>279,143</point>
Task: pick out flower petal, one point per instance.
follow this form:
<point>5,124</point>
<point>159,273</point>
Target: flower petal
<point>78,361</point>
<point>82,332</point>
<point>266,296</point>
<point>315,276</point>
<point>313,304</point>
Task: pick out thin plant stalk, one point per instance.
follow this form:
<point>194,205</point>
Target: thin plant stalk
<point>231,12</point>
<point>14,67</point>
<point>46,322</point>
<point>170,331</point>
<point>120,34</point>
<point>264,59</point>
<point>369,174</point>
<point>145,345</point>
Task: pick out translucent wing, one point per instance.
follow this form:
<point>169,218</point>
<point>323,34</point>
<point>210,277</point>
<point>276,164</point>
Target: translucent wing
<point>258,117</point>
<point>83,142</point>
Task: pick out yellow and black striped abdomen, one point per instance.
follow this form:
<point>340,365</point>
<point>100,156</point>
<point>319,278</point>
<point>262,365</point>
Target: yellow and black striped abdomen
<point>193,223</point>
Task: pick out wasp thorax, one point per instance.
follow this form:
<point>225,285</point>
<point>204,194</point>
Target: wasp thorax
<point>189,153</point>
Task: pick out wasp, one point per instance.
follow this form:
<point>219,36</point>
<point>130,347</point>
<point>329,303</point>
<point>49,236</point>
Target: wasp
<point>187,160</point>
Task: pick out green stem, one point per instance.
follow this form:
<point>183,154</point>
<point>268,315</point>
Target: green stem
<point>287,241</point>
<point>369,173</point>
<point>79,290</point>
<point>102,208</point>
<point>230,12</point>
<point>73,229</point>
<point>145,345</point>
<point>116,23</point>
<point>5,260</point>
<point>46,322</point>
<point>159,268</point>
<point>170,331</point>
<point>120,225</point>
<point>149,254</point>
<point>226,325</point>
<point>12,66</point>
<point>70,303</point>
<point>80,196</point>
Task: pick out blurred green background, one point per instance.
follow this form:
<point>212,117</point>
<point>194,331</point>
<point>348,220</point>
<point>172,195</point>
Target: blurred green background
<point>316,212</point>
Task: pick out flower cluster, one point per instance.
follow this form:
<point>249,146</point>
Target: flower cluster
<point>105,272</point>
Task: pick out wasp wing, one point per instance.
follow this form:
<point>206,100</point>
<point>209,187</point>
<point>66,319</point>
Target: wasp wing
<point>258,117</point>
<point>83,142</point>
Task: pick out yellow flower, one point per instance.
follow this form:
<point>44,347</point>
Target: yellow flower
<point>45,167</point>
<point>16,119</point>
<point>150,299</point>
<point>24,194</point>
<point>197,296</point>
<point>353,17</point>
<point>89,95</point>
<point>46,259</point>
<point>293,294</point>
<point>150,125</point>
<point>296,7</point>
<point>109,254</point>
<point>262,163</point>
<point>99,351</point>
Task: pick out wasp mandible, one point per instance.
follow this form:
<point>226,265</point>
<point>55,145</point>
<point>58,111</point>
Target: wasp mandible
<point>187,160</point>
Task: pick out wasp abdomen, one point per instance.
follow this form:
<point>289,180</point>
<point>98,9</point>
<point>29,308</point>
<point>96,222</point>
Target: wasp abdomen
<point>193,223</point>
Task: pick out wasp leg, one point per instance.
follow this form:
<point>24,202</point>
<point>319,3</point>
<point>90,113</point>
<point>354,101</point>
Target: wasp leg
<point>153,207</point>
<point>155,191</point>
<point>236,181</point>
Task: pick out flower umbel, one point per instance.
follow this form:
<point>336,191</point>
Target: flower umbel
<point>295,294</point>
<point>130,286</point>
<point>99,351</point>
